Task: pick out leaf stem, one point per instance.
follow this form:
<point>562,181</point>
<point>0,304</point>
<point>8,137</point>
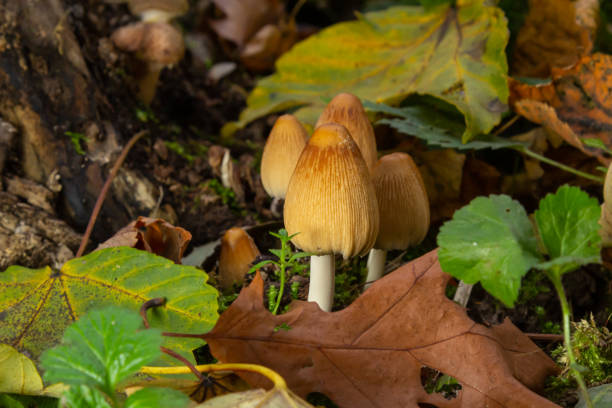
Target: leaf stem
<point>283,265</point>
<point>555,276</point>
<point>273,376</point>
<point>562,166</point>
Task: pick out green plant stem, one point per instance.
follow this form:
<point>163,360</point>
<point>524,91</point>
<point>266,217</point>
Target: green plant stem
<point>555,277</point>
<point>283,263</point>
<point>562,166</point>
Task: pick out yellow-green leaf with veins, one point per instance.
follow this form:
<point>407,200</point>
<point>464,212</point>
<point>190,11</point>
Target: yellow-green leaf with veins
<point>36,306</point>
<point>453,53</point>
<point>18,375</point>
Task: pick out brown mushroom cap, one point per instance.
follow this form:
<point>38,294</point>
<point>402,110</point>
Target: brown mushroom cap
<point>402,201</point>
<point>281,153</point>
<point>159,43</point>
<point>238,251</point>
<point>330,201</point>
<point>346,109</point>
<point>170,8</point>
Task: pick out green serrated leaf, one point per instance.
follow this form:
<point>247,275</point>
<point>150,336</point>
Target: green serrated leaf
<point>84,397</point>
<point>454,54</point>
<point>601,397</point>
<point>157,398</point>
<point>102,349</point>
<point>568,224</point>
<point>490,241</point>
<point>436,129</point>
<point>36,306</point>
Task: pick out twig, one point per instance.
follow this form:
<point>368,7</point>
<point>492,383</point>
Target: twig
<point>462,295</point>
<point>103,192</point>
<point>147,305</point>
<point>506,125</point>
<point>184,361</point>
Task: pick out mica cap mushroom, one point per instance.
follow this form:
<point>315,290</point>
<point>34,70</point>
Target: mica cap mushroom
<point>403,205</point>
<point>346,110</point>
<point>285,143</point>
<point>331,205</point>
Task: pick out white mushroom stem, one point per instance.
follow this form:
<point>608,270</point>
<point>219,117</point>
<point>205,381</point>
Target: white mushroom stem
<point>376,265</point>
<point>321,289</point>
<point>462,295</point>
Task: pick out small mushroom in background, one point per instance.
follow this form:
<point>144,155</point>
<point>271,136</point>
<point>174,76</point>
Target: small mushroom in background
<point>285,143</point>
<point>158,10</point>
<point>605,219</point>
<point>156,45</point>
<point>404,209</point>
<point>238,251</point>
<point>331,205</point>
<point>346,110</point>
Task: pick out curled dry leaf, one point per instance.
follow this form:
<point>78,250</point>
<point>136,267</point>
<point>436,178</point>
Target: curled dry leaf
<point>371,353</point>
<point>575,105</point>
<point>153,235</point>
<point>556,33</point>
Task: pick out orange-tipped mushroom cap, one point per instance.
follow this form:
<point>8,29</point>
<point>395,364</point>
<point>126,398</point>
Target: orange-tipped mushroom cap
<point>402,201</point>
<point>238,251</point>
<point>330,201</point>
<point>281,153</point>
<point>346,109</point>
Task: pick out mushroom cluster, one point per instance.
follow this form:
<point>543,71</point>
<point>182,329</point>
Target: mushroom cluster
<point>338,198</point>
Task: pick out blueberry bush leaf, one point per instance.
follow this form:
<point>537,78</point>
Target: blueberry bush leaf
<point>453,53</point>
<point>568,226</point>
<point>490,240</point>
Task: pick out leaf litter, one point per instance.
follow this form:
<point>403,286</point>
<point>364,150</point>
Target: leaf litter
<point>371,353</point>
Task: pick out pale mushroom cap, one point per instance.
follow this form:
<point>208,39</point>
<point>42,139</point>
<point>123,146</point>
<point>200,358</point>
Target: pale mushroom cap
<point>281,153</point>
<point>238,251</point>
<point>346,109</point>
<point>159,43</point>
<point>330,202</point>
<point>402,201</point>
<point>158,10</point>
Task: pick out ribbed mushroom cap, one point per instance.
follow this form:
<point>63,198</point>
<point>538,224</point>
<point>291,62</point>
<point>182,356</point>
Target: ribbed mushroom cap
<point>346,109</point>
<point>331,201</point>
<point>281,153</point>
<point>402,201</point>
<point>154,42</point>
<point>237,253</point>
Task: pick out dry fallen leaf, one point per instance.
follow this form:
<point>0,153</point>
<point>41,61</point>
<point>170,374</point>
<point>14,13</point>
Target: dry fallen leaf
<point>371,353</point>
<point>556,33</point>
<point>575,105</point>
<point>153,235</point>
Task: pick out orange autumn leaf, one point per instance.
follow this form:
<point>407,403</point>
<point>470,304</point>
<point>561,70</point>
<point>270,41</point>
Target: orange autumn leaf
<point>556,33</point>
<point>371,353</point>
<point>576,104</point>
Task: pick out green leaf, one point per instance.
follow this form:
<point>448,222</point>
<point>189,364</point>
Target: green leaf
<point>18,374</point>
<point>601,397</point>
<point>568,224</point>
<point>490,240</point>
<point>82,396</point>
<point>436,129</point>
<point>454,54</point>
<point>157,398</point>
<point>101,349</point>
<point>36,306</point>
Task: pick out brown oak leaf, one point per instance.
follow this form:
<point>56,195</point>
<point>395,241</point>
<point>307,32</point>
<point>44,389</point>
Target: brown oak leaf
<point>371,353</point>
<point>576,104</point>
<point>153,235</point>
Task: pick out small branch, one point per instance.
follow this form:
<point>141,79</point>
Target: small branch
<point>183,360</point>
<point>506,125</point>
<point>155,302</point>
<point>462,295</point>
<point>104,191</point>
